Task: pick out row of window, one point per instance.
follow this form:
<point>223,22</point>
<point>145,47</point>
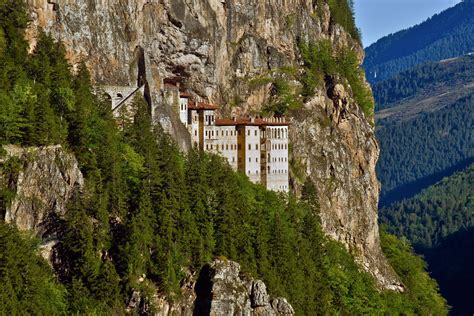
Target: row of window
<point>279,159</point>
<point>221,147</point>
<point>279,146</point>
<point>276,171</point>
<point>278,132</point>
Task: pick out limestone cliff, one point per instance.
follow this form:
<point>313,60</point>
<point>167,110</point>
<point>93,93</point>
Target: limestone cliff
<point>43,180</point>
<point>214,47</point>
<point>218,289</point>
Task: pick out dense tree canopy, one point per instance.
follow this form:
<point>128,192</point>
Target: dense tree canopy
<point>147,209</point>
<point>417,152</point>
<point>425,79</point>
<point>435,213</point>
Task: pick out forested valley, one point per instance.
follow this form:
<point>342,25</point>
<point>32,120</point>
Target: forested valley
<point>424,92</point>
<point>439,221</point>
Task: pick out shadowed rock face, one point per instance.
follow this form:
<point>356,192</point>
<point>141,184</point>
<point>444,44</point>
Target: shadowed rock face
<point>44,182</point>
<point>215,47</point>
<point>220,289</point>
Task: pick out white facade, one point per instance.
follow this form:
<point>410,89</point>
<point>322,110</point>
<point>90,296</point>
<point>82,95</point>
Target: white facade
<point>276,143</point>
<point>193,127</point>
<point>183,110</point>
<point>210,135</point>
<point>256,147</point>
<point>226,144</point>
<point>250,147</point>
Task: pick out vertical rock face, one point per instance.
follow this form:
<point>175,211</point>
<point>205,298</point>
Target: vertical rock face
<point>44,181</point>
<point>220,289</point>
<point>214,47</point>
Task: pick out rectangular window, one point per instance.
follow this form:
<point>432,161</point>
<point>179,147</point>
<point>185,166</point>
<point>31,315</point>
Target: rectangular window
<point>250,159</point>
<point>248,132</point>
<point>256,146</point>
<point>250,147</point>
<point>255,132</point>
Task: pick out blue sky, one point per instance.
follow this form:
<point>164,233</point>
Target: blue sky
<point>378,18</point>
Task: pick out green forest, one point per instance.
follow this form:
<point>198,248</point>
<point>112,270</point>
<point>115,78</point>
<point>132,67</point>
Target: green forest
<point>148,209</point>
<point>439,222</point>
<point>445,35</point>
<point>418,152</point>
<point>435,213</point>
<point>426,77</point>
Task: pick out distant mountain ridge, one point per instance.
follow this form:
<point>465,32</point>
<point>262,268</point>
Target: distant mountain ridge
<point>424,125</point>
<point>447,77</point>
<point>445,35</point>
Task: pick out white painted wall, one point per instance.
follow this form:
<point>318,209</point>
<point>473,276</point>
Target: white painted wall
<point>277,158</point>
<point>183,110</point>
<point>252,153</point>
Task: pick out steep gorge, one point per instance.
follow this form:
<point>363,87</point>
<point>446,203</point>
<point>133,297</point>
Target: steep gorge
<point>215,47</point>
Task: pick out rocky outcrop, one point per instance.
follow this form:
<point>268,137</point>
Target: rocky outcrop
<point>214,48</point>
<point>44,181</point>
<point>219,289</point>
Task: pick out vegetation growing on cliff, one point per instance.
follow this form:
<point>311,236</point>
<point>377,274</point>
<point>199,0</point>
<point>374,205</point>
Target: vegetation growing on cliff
<point>320,60</point>
<point>342,13</point>
<point>148,210</point>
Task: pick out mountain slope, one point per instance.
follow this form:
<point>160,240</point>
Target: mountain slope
<point>216,50</point>
<point>131,225</point>
<point>445,35</point>
<point>439,222</point>
<point>435,213</point>
<point>446,80</point>
<point>451,264</point>
<point>424,126</point>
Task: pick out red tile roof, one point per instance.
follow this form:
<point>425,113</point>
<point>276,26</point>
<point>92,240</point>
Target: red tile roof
<point>185,95</point>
